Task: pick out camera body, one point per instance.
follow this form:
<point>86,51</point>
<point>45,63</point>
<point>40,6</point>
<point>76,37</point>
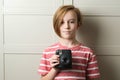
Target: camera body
<point>65,59</point>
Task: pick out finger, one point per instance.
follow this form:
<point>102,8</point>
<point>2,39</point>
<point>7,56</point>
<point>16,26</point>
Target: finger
<point>53,65</point>
<point>55,57</point>
<point>54,61</point>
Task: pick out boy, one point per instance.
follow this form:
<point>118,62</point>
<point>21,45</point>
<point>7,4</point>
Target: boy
<point>66,22</point>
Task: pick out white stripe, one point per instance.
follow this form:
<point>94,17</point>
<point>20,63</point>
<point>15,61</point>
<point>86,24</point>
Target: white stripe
<point>66,77</point>
<point>92,68</point>
<point>45,59</point>
<point>53,52</point>
<point>45,65</point>
<point>94,74</point>
<point>87,52</point>
<point>73,71</point>
<point>72,64</point>
<point>42,71</point>
<point>93,62</point>
<point>77,57</point>
<point>78,64</point>
<point>74,57</point>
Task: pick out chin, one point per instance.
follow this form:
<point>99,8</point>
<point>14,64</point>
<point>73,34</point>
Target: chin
<point>66,37</point>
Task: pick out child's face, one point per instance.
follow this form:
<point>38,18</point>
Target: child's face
<point>69,26</point>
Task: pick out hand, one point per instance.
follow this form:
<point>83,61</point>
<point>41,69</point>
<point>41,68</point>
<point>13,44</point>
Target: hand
<point>54,60</point>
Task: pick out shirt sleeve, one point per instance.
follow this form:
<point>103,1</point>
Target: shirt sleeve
<point>44,65</point>
<point>92,67</point>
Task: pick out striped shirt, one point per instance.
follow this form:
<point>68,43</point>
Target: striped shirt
<point>84,63</point>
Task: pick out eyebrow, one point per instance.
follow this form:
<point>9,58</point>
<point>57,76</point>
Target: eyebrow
<point>73,19</point>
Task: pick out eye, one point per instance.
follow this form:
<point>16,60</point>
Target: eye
<point>62,22</point>
<point>72,21</point>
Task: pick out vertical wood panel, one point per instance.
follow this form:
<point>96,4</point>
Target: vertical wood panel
<point>1,42</point>
<point>27,33</point>
<point>99,7</point>
<point>102,33</point>
<point>1,49</point>
<point>28,29</point>
<point>109,67</point>
<point>32,7</point>
<point>68,2</point>
<point>21,67</point>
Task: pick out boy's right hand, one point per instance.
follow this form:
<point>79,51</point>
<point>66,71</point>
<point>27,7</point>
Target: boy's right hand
<point>54,60</point>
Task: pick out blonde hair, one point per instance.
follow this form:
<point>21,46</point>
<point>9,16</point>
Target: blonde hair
<point>59,14</point>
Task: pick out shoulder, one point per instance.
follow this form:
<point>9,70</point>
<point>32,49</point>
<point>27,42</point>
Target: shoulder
<point>86,48</point>
<point>52,47</point>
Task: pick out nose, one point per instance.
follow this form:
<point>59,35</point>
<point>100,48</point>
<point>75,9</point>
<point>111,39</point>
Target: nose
<point>67,25</point>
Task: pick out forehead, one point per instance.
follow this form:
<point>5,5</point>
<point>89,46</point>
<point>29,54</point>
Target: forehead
<point>70,15</point>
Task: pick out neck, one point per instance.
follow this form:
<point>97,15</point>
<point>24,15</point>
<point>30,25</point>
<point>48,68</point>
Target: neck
<point>69,42</point>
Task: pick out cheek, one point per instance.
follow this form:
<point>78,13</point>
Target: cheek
<point>74,28</point>
<point>60,29</point>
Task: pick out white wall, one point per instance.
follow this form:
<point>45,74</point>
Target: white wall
<point>1,42</point>
<point>26,29</point>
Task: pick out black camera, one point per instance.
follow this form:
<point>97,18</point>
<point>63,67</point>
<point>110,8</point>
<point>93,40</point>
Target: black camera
<point>65,59</point>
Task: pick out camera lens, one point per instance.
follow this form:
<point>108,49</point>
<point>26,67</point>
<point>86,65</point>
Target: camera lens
<point>64,60</point>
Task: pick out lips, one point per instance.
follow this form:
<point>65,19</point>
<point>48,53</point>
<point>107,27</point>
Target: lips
<point>66,32</point>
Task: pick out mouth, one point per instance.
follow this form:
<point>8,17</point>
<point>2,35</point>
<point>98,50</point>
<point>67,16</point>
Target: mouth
<point>66,32</point>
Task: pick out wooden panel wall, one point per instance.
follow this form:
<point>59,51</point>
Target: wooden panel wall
<point>26,29</point>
